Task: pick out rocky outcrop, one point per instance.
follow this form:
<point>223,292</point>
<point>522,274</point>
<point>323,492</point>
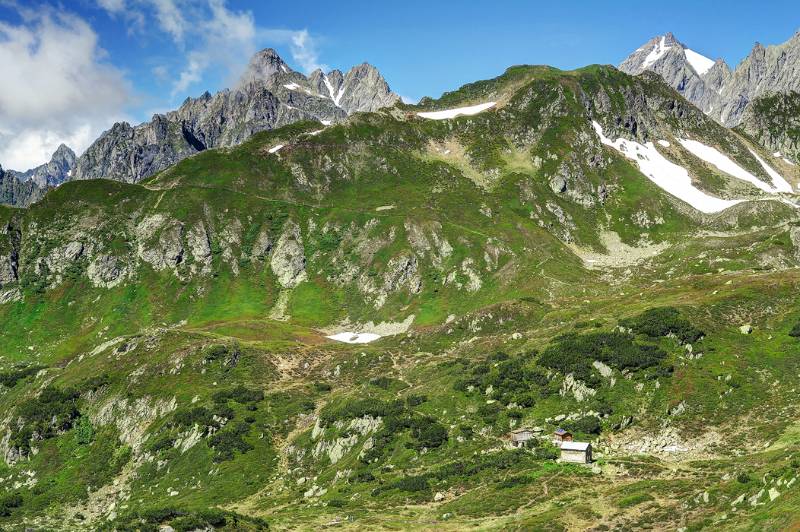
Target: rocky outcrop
<point>774,121</point>
<point>719,91</point>
<point>288,260</point>
<point>670,59</point>
<point>268,95</point>
<point>160,242</point>
<point>106,271</point>
<point>361,89</point>
<point>52,173</point>
<point>18,193</point>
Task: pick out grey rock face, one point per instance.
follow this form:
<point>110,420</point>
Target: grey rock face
<point>160,242</point>
<point>669,58</point>
<point>18,193</point>
<point>362,89</point>
<point>268,95</point>
<point>767,70</point>
<point>775,122</point>
<point>200,246</point>
<point>723,93</point>
<point>8,270</point>
<point>106,271</point>
<point>53,173</point>
<point>288,260</point>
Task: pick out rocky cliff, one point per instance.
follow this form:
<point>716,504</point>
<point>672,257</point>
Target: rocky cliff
<point>52,173</point>
<point>269,95</point>
<point>719,91</point>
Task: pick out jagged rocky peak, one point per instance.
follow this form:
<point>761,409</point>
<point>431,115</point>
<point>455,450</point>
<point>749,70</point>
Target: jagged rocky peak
<point>713,86</point>
<point>53,172</point>
<point>263,66</point>
<point>362,88</point>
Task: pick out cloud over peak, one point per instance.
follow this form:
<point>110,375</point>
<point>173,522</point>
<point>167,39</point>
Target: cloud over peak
<point>59,87</point>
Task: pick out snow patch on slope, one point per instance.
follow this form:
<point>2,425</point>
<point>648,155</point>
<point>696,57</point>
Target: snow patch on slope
<point>337,97</point>
<point>780,184</point>
<point>275,148</point>
<point>354,338</point>
<point>656,53</point>
<point>672,178</point>
<point>722,162</point>
<point>460,111</point>
<point>700,63</point>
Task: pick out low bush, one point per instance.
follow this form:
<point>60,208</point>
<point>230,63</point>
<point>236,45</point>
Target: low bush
<point>10,377</point>
<point>226,442</point>
<point>9,502</point>
<point>240,394</point>
<point>45,416</point>
<point>663,321</point>
<point>573,353</point>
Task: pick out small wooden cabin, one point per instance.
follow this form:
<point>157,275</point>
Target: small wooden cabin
<point>520,437</point>
<point>577,452</point>
<point>560,435</point>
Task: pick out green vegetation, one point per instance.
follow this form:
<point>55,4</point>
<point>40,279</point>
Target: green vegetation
<point>663,321</point>
<point>574,353</point>
<point>199,389</point>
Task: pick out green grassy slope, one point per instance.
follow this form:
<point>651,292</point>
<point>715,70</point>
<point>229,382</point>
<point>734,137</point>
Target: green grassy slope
<point>199,390</point>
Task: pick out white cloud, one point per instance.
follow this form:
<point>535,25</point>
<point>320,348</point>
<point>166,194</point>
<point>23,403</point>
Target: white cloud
<point>304,51</point>
<point>212,36</point>
<point>58,87</point>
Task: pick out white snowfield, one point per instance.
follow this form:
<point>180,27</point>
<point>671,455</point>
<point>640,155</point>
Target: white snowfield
<point>275,148</point>
<point>656,53</point>
<point>460,111</point>
<point>292,86</point>
<point>722,162</point>
<point>780,184</point>
<point>700,63</point>
<point>672,178</point>
<point>354,337</point>
<point>338,97</point>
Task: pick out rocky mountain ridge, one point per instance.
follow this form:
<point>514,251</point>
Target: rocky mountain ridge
<point>718,90</point>
<point>52,173</point>
<point>322,325</point>
<point>270,94</point>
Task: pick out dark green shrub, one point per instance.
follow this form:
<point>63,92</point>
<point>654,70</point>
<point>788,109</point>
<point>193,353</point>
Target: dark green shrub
<point>84,432</point>
<point>240,394</point>
<point>466,432</point>
<point>658,322</point>
<point>198,415</point>
<point>226,442</point>
<point>9,502</point>
<point>489,412</point>
<point>161,443</point>
<point>415,400</point>
<point>322,387</point>
<point>743,478</point>
<point>573,353</point>
<point>795,332</point>
<point>10,378</point>
<point>585,425</point>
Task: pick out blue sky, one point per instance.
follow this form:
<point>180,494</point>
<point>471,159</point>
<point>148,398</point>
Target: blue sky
<point>77,66</point>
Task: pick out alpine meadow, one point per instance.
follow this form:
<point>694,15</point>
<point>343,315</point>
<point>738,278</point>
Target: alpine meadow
<point>550,300</point>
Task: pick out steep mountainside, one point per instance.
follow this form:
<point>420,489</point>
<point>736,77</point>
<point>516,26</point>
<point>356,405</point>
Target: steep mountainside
<point>340,325</point>
<point>712,86</point>
<point>52,173</point>
<point>269,95</point>
<point>696,77</point>
<point>18,193</point>
<point>774,122</point>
